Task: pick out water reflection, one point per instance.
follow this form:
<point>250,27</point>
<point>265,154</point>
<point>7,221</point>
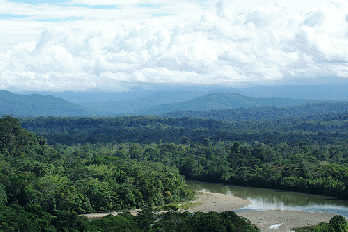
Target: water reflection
<point>268,199</point>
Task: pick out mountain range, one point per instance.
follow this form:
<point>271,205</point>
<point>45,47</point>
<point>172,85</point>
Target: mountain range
<point>217,101</point>
<point>38,105</point>
<point>227,106</point>
<point>141,105</point>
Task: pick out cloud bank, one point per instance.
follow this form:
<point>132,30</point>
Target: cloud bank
<point>278,43</point>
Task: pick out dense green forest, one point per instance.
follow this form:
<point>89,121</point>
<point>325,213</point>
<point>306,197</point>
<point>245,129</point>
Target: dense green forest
<point>44,188</point>
<point>317,129</point>
<point>293,154</point>
<point>31,218</point>
<point>80,165</point>
<point>264,113</point>
<point>60,180</point>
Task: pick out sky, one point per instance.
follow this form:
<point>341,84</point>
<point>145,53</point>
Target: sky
<point>114,45</point>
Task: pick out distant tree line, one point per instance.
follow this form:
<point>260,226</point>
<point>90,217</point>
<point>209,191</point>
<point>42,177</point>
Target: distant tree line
<point>266,113</point>
<point>321,129</point>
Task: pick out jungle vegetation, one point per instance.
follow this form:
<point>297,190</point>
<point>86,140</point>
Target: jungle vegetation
<point>45,188</point>
<point>59,167</point>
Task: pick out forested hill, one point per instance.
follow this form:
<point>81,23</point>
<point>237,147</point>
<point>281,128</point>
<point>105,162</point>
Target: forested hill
<point>263,113</point>
<point>216,101</point>
<point>168,103</point>
<point>38,105</point>
<point>137,106</point>
<point>155,104</point>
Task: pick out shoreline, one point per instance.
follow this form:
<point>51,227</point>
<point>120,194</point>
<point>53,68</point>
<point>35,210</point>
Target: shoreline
<point>266,221</point>
<point>216,202</point>
<point>284,220</point>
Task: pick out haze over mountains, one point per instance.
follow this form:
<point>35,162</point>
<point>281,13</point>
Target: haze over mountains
<point>143,105</point>
<point>207,103</point>
<point>218,101</point>
<point>38,105</point>
<point>337,91</point>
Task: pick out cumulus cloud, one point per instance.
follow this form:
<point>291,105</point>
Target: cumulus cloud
<point>276,43</point>
<point>105,2</point>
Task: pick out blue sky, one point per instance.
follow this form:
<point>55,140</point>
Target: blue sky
<point>36,2</point>
<point>114,45</point>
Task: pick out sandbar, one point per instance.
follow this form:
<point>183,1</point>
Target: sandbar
<point>217,202</point>
<point>266,221</point>
<point>284,220</point>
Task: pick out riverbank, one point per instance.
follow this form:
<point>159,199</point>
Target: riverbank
<point>284,220</point>
<point>266,221</point>
<point>217,202</point>
<point>204,202</point>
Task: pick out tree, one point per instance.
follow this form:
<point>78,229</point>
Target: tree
<point>146,217</point>
<point>69,221</point>
<point>3,195</point>
<point>339,223</point>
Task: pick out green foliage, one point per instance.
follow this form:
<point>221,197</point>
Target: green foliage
<point>203,222</point>
<point>317,128</point>
<point>3,195</point>
<point>69,221</point>
<point>28,219</point>
<point>175,221</point>
<point>124,222</point>
<point>337,224</point>
<point>266,113</point>
<point>13,139</point>
<point>82,177</point>
<point>79,179</point>
<point>146,218</point>
<point>111,176</point>
<point>59,193</point>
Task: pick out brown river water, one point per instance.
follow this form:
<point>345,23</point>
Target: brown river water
<point>271,199</point>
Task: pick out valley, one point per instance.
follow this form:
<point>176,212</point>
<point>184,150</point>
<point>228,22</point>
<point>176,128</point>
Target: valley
<point>78,165</point>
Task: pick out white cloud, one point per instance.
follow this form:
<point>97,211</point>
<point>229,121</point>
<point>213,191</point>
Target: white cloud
<point>106,2</point>
<point>274,42</point>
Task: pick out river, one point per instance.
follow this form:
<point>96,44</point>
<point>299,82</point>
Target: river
<point>267,199</point>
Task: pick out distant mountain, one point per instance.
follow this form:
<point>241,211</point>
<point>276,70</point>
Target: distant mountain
<point>182,103</point>
<point>137,92</point>
<point>216,101</point>
<point>265,113</point>
<point>38,105</point>
<point>329,91</point>
<point>116,108</point>
<point>336,92</point>
<point>81,97</point>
